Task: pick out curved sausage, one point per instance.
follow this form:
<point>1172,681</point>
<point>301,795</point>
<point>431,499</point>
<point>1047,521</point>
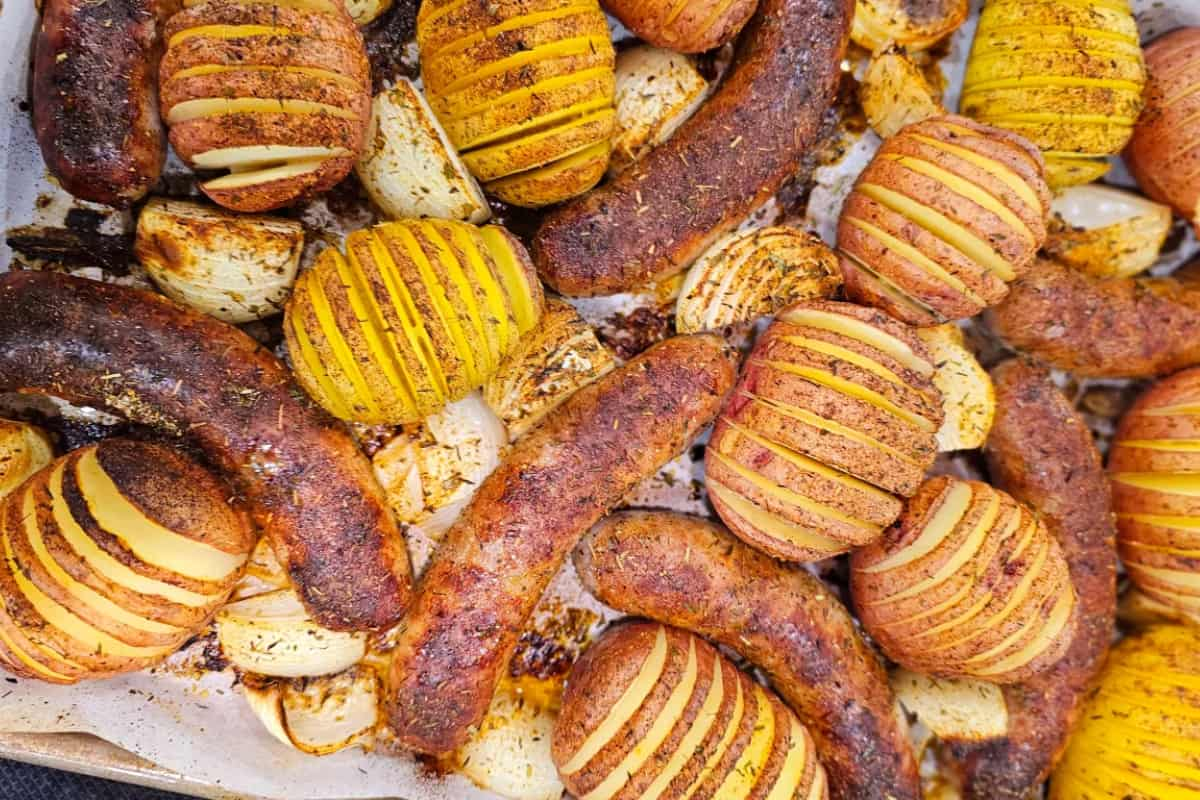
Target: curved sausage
<point>160,364</point>
<point>1117,328</point>
<point>742,145</point>
<point>95,104</point>
<point>689,572</point>
<point>555,483</point>
<point>1042,453</point>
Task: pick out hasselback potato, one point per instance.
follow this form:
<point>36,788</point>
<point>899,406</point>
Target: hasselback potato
<point>1164,153</point>
<point>657,712</point>
<point>685,26</point>
<point>1154,465</point>
<point>1139,734</point>
<point>415,314</point>
<point>277,94</point>
<point>832,422</point>
<point>968,583</point>
<point>524,90</point>
<point>1068,76</point>
<point>114,556</point>
<point>946,214</point>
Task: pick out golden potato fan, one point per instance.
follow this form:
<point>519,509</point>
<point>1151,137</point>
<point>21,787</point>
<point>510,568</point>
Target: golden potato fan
<point>1154,466</point>
<point>524,90</point>
<point>1066,75</point>
<point>277,93</point>
<point>414,315</point>
<point>1139,735</point>
<point>114,556</point>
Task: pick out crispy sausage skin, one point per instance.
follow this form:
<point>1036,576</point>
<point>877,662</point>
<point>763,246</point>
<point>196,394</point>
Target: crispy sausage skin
<point>1042,453</point>
<point>728,159</point>
<point>161,364</point>
<point>689,572</point>
<point>95,104</point>
<point>1120,328</point>
<point>555,483</point>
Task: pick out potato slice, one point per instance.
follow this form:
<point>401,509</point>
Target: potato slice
<point>553,362</point>
<point>430,471</point>
<point>410,168</point>
<point>968,397</point>
<point>894,93</point>
<point>1106,232</point>
<point>272,634</point>
<point>657,90</point>
<point>234,267</point>
<point>955,709</point>
<point>750,274</point>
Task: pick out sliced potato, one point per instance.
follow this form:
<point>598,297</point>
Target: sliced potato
<point>24,449</point>
<point>1106,232</point>
<point>968,397</point>
<point>750,274</point>
<point>509,753</point>
<point>430,471</point>
<point>272,634</point>
<point>319,716</point>
<point>959,709</point>
<point>894,93</point>
<point>236,268</point>
<point>410,168</point>
<point>559,357</point>
<point>657,90</point>
<point>695,26</point>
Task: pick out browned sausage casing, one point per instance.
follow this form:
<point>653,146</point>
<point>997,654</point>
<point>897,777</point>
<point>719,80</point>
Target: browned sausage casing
<point>95,104</point>
<point>689,572</point>
<point>1042,453</point>
<point>1117,328</point>
<point>310,489</point>
<point>745,142</point>
<point>555,483</point>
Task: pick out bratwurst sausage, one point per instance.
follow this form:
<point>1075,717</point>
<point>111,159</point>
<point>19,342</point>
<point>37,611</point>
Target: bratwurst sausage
<point>689,572</point>
<point>95,104</point>
<point>742,145</point>
<point>160,364</point>
<point>556,482</point>
<point>1116,328</point>
<point>1041,452</point>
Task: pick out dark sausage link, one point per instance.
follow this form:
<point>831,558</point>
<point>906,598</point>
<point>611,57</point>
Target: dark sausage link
<point>691,573</point>
<point>1041,452</point>
<point>160,364</point>
<point>744,143</point>
<point>554,484</point>
<point>95,97</point>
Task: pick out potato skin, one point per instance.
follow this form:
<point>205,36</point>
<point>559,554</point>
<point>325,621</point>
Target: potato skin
<point>308,486</point>
<point>783,620</point>
<point>735,152</point>
<point>611,665</point>
<point>1158,555</point>
<point>697,27</point>
<point>1121,328</point>
<point>1041,451</point>
<point>1011,582</point>
<point>1164,153</point>
<point>94,109</point>
<point>164,486</point>
<point>314,41</point>
<point>495,562</point>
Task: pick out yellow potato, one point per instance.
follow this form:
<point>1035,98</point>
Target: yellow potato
<point>1139,735</point>
<point>414,315</point>
<point>1067,76</point>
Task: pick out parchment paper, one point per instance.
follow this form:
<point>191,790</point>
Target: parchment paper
<point>198,724</point>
